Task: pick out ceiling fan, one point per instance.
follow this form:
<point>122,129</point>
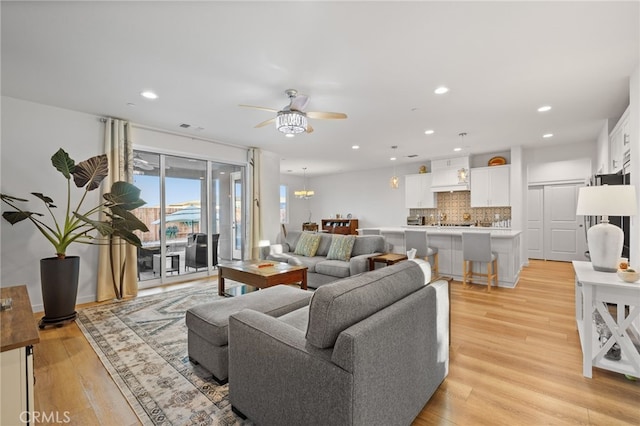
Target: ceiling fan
<point>141,163</point>
<point>292,118</point>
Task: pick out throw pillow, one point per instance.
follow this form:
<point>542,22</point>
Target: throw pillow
<point>341,246</point>
<point>307,244</point>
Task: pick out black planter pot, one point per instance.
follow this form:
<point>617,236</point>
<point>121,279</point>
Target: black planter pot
<point>59,281</point>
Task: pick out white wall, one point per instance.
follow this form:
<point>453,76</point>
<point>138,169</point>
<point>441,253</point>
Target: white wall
<point>270,195</point>
<point>602,150</point>
<point>367,195</point>
<point>31,133</point>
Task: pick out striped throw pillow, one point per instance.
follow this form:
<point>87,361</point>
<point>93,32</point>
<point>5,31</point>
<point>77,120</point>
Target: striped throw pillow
<point>341,246</point>
<point>307,244</point>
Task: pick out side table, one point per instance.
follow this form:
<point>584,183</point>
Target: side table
<point>386,258</point>
<point>597,289</point>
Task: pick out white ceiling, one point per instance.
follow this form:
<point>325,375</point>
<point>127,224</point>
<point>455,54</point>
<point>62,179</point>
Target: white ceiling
<point>378,62</point>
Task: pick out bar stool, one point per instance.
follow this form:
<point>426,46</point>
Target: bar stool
<point>476,247</point>
<point>419,240</point>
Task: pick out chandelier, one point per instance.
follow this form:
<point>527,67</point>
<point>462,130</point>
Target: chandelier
<point>291,122</point>
<point>304,193</point>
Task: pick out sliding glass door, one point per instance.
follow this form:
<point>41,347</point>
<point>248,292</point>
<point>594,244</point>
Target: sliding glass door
<point>188,234</point>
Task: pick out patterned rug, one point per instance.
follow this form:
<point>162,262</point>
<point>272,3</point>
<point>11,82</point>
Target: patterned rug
<point>143,344</point>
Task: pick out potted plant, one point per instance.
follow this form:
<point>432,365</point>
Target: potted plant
<point>111,218</point>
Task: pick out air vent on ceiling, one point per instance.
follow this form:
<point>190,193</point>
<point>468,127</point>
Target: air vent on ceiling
<point>412,155</point>
<point>185,125</point>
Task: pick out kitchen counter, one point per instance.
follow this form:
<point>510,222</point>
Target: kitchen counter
<point>451,230</point>
<point>448,239</point>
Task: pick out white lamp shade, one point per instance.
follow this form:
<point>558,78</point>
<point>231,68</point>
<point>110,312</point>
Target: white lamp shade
<point>607,200</point>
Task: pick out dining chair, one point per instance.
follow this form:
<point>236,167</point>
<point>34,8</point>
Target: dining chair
<point>476,247</point>
<point>419,240</point>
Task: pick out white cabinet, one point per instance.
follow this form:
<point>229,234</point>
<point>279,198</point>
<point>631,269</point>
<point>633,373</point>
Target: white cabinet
<point>619,143</point>
<point>490,186</point>
<point>19,334</point>
<point>418,191</point>
<point>446,174</point>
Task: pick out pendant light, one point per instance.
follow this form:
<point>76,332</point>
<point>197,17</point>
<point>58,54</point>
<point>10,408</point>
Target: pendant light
<point>394,182</point>
<point>463,173</point>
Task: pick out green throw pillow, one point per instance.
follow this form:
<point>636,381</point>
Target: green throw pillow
<point>341,246</point>
<point>307,244</point>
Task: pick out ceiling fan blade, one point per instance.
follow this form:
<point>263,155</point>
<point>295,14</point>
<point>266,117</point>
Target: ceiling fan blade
<point>258,107</point>
<point>299,103</point>
<point>265,123</point>
<point>326,115</point>
<point>309,128</point>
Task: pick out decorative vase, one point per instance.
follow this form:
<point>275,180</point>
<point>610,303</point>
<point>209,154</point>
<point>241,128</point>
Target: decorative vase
<point>59,281</point>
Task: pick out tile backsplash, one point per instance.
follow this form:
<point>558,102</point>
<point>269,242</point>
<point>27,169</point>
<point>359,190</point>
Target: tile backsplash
<point>456,205</point>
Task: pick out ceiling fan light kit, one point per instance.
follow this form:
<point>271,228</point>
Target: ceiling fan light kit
<point>292,119</point>
<point>291,122</point>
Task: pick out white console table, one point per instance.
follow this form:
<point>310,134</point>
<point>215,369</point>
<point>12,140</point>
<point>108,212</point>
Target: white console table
<point>596,289</point>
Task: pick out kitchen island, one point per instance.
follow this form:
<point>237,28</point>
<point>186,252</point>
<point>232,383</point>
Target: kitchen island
<point>448,239</point>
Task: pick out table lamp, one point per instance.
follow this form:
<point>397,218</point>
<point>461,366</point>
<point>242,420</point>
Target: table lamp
<point>605,239</point>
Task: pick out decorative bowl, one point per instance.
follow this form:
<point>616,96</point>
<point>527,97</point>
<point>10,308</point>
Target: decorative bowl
<point>628,276</point>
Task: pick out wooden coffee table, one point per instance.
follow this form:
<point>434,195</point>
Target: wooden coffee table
<point>386,258</point>
<point>262,274</point>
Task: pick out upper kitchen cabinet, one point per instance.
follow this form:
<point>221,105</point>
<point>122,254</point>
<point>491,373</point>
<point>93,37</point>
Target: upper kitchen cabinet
<point>619,143</point>
<point>418,191</point>
<point>490,186</point>
<point>450,174</point>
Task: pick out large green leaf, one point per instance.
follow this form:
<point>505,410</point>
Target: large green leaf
<point>124,194</point>
<point>91,172</point>
<point>63,163</point>
<point>7,197</point>
<point>47,200</point>
<point>129,237</point>
<point>129,220</point>
<point>15,217</point>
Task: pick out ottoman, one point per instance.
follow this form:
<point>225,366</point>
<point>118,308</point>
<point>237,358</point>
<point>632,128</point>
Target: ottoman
<point>208,324</point>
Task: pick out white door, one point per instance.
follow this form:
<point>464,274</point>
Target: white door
<point>236,215</point>
<point>564,237</point>
<point>535,223</point>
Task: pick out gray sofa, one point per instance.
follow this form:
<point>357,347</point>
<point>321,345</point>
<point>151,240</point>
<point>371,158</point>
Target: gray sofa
<point>320,270</point>
<point>367,350</point>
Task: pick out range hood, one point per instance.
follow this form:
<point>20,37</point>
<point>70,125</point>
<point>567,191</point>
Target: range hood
<point>450,174</point>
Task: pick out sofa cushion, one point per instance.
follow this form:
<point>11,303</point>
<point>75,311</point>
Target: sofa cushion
<point>291,240</point>
<point>336,306</point>
<point>368,244</point>
<point>341,246</point>
<point>325,243</point>
<point>335,268</point>
<point>307,244</point>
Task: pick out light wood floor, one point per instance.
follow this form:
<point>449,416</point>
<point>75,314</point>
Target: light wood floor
<point>515,360</point>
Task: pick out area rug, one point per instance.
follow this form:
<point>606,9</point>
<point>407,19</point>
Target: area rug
<point>143,345</point>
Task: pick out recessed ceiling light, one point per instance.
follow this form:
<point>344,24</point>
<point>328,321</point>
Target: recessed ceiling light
<point>441,90</point>
<point>149,94</point>
<point>429,132</point>
<point>355,147</point>
<point>547,135</point>
<point>392,158</point>
<point>457,149</point>
<point>289,135</point>
<point>544,108</point>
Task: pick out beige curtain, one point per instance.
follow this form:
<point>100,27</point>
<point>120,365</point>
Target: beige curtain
<point>118,147</point>
<point>255,225</point>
